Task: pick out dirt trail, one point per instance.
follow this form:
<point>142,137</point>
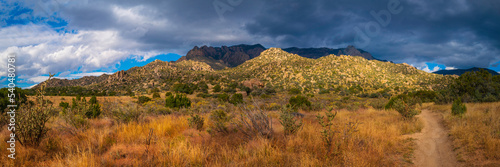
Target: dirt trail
<point>433,146</point>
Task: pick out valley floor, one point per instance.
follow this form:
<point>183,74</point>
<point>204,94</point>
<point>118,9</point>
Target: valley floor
<point>128,134</point>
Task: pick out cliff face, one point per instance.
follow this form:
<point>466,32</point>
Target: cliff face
<point>221,57</point>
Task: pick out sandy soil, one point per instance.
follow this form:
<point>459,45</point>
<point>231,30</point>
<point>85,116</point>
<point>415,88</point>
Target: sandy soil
<point>433,146</point>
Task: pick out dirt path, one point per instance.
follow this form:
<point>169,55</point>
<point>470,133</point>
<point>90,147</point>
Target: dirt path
<point>433,146</point>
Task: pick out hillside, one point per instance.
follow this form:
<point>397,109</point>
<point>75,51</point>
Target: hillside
<point>286,70</point>
<point>273,68</point>
<point>221,57</point>
<point>462,71</point>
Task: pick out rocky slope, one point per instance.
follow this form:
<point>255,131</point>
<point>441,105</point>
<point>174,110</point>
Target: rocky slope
<point>222,57</point>
<point>273,68</point>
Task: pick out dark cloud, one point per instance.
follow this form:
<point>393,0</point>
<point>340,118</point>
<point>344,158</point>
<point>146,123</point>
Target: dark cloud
<point>461,33</point>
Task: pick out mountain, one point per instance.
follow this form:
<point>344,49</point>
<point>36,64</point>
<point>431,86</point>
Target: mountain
<point>286,70</point>
<point>222,57</point>
<point>315,53</point>
<point>272,68</point>
<point>462,71</point>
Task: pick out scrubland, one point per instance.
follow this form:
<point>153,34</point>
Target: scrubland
<point>131,134</point>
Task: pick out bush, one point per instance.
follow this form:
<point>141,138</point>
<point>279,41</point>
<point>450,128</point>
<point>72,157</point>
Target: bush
<point>327,131</point>
<point>217,88</point>
<point>406,109</point>
<point>458,108</point>
<point>220,118</point>
<point>177,101</point>
<point>299,102</point>
<point>223,97</point>
<point>378,103</point>
<point>156,95</point>
<point>64,105</point>
<point>30,127</point>
<point>287,119</point>
<point>94,109</point>
<point>188,88</point>
<point>236,99</point>
<point>143,99</point>
<point>253,123</point>
<point>294,91</point>
<point>324,91</point>
<point>195,121</point>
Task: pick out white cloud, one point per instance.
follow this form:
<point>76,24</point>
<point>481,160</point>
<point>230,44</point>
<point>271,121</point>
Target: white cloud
<point>40,50</point>
<point>450,68</point>
<point>426,69</point>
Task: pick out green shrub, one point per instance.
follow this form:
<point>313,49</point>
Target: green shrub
<point>288,121</point>
<point>458,108</point>
<point>168,94</point>
<point>236,99</point>
<point>64,105</point>
<point>406,109</point>
<point>94,109</point>
<point>294,91</point>
<point>217,88</point>
<point>195,121</point>
<point>177,101</point>
<point>324,91</point>
<point>143,99</point>
<point>299,102</point>
<point>188,88</point>
<point>156,95</point>
<point>223,97</point>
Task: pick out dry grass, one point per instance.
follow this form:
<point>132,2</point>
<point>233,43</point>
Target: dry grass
<point>476,135</point>
<point>378,142</point>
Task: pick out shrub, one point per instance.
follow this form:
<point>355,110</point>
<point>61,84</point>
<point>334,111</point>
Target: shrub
<point>236,99</point>
<point>143,99</point>
<point>188,88</point>
<point>156,95</point>
<point>195,121</point>
<point>288,121</point>
<point>378,103</point>
<point>294,91</point>
<point>254,122</point>
<point>327,132</point>
<point>217,88</point>
<point>458,108</point>
<point>223,97</point>
<point>299,102</point>
<point>177,101</point>
<point>220,118</point>
<point>406,109</point>
<point>168,94</point>
<point>64,105</point>
<point>30,127</point>
<point>94,109</point>
<point>127,113</point>
<point>324,91</point>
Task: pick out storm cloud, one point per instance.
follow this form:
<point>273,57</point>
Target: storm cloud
<point>456,34</point>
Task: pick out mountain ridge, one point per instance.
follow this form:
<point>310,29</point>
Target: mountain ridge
<point>462,71</point>
<point>221,57</point>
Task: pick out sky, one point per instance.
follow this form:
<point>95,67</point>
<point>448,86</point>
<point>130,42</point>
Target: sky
<point>75,38</point>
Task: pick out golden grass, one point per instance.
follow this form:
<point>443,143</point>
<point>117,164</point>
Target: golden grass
<point>379,141</point>
<point>475,135</point>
